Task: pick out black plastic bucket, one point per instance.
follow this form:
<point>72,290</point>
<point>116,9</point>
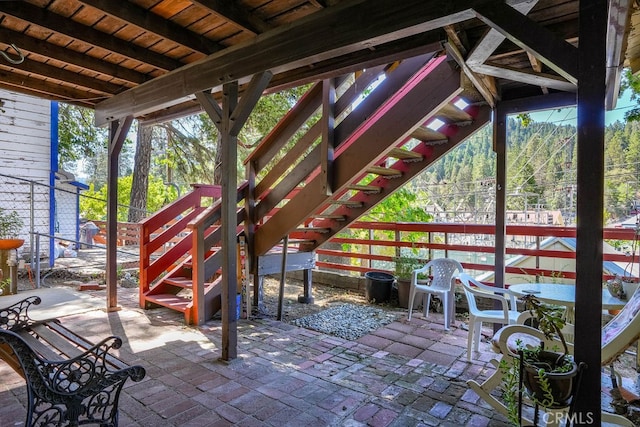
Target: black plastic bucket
<point>377,287</point>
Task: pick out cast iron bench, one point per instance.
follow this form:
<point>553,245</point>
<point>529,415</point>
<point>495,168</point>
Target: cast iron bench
<point>70,381</point>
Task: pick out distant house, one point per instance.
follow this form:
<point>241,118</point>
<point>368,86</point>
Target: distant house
<point>559,266</point>
<point>30,182</point>
<point>535,217</point>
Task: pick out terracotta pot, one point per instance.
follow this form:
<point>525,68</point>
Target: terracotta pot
<point>7,244</point>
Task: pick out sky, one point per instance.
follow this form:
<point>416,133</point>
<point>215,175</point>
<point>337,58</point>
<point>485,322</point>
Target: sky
<point>568,115</point>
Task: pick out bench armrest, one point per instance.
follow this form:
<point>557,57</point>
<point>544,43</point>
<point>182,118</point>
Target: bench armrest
<point>16,316</point>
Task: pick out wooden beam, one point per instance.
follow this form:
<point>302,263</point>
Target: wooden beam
<point>536,79</point>
<point>152,23</point>
<point>61,25</point>
<point>237,15</point>
<point>536,66</point>
<point>42,89</point>
<point>117,134</point>
<point>619,17</point>
<point>556,53</point>
<point>330,68</point>
<point>249,99</point>
<point>68,56</point>
<point>210,105</point>
<point>540,102</point>
<point>490,42</point>
<point>355,25</point>
<point>473,77</point>
<point>54,73</point>
<point>453,34</point>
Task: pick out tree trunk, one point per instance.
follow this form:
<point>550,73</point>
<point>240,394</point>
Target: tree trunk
<point>140,184</point>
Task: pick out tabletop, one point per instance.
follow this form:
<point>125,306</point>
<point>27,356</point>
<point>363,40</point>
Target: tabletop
<point>561,294</point>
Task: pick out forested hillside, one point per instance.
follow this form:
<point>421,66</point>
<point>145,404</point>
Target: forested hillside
<point>541,159</point>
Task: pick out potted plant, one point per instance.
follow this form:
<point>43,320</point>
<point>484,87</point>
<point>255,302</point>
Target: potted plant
<point>10,227</point>
<point>404,267</point>
<point>547,374</point>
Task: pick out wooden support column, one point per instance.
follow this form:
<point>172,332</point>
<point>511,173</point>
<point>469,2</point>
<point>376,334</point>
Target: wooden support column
<point>229,148</point>
<point>229,120</point>
<point>500,148</point>
<point>590,199</point>
<point>327,144</point>
<point>118,130</point>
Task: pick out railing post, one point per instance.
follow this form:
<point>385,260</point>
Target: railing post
<point>32,219</point>
<point>397,240</point>
<point>537,258</point>
<point>198,279</point>
<point>37,260</point>
<point>369,262</point>
<point>446,242</point>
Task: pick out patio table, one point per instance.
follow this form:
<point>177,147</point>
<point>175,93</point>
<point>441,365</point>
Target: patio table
<point>562,294</point>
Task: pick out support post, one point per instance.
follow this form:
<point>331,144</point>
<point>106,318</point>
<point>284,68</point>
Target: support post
<point>229,147</point>
<point>590,180</point>
<point>307,283</point>
<point>327,143</point>
<point>118,130</point>
<point>500,148</point>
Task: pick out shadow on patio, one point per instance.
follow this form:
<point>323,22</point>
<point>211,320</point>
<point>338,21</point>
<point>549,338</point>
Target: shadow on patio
<point>403,374</point>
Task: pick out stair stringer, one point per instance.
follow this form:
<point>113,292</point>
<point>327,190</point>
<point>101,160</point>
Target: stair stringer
<point>424,94</point>
<point>409,170</point>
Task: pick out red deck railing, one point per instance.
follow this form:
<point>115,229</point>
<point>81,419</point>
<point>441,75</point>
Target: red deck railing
<point>159,249</point>
<point>374,245</point>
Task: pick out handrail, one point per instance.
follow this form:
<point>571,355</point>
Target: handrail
<point>163,236</point>
<point>204,235</point>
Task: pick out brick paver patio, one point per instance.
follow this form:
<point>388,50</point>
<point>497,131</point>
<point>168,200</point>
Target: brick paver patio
<point>404,374</point>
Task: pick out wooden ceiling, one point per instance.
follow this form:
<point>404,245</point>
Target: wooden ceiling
<point>147,58</point>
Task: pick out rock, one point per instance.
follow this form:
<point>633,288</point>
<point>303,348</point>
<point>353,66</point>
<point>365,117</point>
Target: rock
<point>128,282</point>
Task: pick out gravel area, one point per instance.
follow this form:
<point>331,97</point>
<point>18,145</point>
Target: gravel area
<point>347,321</point>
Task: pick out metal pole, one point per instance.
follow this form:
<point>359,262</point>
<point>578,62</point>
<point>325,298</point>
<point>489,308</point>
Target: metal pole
<point>37,260</point>
<point>283,274</point>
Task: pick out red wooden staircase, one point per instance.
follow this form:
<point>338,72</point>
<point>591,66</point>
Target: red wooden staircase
<point>339,151</point>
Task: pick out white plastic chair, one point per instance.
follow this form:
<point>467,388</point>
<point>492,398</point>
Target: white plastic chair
<point>474,289</point>
<point>442,272</point>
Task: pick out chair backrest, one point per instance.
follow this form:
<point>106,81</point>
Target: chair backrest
<point>474,289</point>
<point>469,292</point>
<point>442,272</point>
<point>622,330</point>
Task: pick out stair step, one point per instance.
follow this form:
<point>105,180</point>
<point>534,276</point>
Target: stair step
<point>347,203</point>
<point>313,229</point>
<point>329,216</point>
<point>429,136</point>
<point>386,172</point>
<point>369,189</point>
<point>452,114</point>
<point>406,155</point>
<point>183,282</point>
<point>300,241</point>
<point>171,301</point>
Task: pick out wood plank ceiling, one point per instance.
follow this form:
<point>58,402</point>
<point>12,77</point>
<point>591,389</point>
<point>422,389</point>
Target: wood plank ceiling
<point>87,51</point>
